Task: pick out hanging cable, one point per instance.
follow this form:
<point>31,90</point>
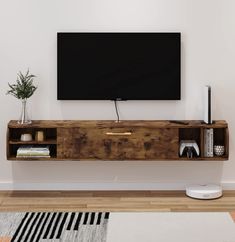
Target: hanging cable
<point>115,102</point>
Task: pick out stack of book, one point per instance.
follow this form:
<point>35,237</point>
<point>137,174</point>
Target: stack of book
<point>208,142</point>
<point>33,151</point>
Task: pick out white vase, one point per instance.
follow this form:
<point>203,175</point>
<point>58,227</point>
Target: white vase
<point>24,117</point>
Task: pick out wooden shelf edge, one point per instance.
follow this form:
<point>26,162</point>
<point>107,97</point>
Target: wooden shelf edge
<point>206,159</point>
<point>96,159</point>
<point>33,142</point>
<point>13,158</point>
<point>134,123</point>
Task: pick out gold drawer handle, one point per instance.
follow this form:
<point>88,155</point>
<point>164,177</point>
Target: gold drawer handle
<point>119,133</point>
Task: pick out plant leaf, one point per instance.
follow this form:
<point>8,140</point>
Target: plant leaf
<point>24,87</point>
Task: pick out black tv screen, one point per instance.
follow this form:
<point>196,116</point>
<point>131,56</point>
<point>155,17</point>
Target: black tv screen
<point>118,66</point>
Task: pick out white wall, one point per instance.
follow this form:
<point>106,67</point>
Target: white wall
<point>28,39</point>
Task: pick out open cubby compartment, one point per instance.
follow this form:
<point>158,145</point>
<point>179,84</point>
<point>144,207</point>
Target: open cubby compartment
<point>191,134</point>
<point>14,147</point>
<point>221,138</point>
<point>49,133</point>
<point>15,133</point>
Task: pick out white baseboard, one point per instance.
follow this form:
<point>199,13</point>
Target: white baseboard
<point>101,186</point>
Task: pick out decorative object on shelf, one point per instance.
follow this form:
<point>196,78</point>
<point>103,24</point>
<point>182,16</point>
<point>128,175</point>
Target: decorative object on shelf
<point>23,89</point>
<point>39,136</point>
<point>24,116</point>
<point>33,151</point>
<point>219,150</point>
<point>26,137</point>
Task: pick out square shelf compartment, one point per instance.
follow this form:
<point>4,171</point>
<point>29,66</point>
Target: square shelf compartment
<point>190,134</point>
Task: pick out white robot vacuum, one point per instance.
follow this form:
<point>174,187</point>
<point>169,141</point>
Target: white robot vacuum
<point>208,191</point>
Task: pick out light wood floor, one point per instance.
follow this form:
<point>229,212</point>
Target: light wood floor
<point>111,201</point>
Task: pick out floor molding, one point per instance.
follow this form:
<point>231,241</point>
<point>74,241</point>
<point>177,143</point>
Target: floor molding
<point>100,186</point>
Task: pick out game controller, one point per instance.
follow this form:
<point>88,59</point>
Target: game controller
<point>190,147</point>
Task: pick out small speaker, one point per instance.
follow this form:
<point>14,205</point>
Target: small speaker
<point>207,105</point>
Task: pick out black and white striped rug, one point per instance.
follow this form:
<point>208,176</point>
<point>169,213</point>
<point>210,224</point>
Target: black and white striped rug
<point>54,226</point>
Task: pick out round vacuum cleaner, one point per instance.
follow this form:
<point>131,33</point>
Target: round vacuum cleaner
<point>208,191</point>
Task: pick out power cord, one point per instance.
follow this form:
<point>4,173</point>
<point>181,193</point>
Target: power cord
<point>116,109</point>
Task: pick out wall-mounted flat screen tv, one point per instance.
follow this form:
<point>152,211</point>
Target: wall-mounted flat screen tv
<point>118,66</point>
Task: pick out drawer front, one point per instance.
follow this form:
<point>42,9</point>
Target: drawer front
<point>117,143</point>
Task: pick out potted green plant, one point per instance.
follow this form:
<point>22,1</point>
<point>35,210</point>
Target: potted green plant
<point>23,89</point>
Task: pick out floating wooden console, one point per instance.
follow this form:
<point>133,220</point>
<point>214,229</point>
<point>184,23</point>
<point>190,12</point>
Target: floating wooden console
<point>109,140</point>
